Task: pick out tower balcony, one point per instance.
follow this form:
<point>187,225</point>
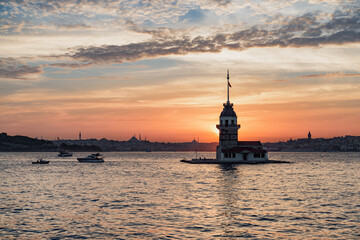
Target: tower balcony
<point>224,126</point>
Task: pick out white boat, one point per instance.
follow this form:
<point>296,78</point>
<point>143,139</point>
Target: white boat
<point>63,153</point>
<point>92,158</point>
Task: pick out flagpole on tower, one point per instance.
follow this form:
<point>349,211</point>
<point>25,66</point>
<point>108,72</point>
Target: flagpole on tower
<point>228,84</point>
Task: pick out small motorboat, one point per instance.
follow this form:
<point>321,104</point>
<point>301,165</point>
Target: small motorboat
<point>63,153</point>
<point>92,158</point>
<point>41,161</point>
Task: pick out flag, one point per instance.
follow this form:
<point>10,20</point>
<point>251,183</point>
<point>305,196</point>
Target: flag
<point>228,78</point>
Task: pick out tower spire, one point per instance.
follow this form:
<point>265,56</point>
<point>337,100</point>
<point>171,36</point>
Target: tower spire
<point>228,85</point>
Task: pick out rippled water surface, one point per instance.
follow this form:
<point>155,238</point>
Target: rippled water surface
<point>154,196</point>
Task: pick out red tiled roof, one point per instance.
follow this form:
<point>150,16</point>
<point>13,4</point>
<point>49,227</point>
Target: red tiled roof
<point>242,149</point>
<point>249,143</point>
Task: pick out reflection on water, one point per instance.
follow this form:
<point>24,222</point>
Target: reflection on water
<point>153,195</point>
<point>228,201</point>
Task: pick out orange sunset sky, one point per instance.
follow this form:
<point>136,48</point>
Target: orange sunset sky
<point>117,68</point>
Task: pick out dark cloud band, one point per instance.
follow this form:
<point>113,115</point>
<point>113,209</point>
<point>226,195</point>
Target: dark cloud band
<point>15,69</point>
<point>303,31</point>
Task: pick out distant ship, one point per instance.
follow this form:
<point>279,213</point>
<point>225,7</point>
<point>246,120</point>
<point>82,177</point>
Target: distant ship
<point>63,153</point>
<point>230,150</point>
<point>92,158</point>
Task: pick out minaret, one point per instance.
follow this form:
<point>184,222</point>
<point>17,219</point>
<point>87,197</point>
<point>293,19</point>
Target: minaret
<point>309,136</point>
<point>228,127</point>
<point>79,135</point>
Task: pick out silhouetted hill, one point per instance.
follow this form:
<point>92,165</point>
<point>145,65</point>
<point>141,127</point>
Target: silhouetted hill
<point>133,145</point>
<point>336,144</point>
<point>23,143</point>
<point>80,148</point>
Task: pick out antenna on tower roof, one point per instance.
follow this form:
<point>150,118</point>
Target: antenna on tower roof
<point>228,85</point>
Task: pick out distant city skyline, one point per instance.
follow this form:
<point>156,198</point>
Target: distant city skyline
<point>194,139</point>
<point>111,69</point>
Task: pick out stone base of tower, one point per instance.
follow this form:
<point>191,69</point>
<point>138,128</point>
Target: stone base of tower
<point>215,161</point>
<point>251,151</point>
<point>246,152</point>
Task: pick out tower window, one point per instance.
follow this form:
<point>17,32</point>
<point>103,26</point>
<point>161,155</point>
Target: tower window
<point>226,123</point>
<point>232,122</point>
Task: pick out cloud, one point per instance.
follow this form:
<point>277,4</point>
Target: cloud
<point>73,26</point>
<point>304,31</point>
<point>160,32</point>
<point>312,32</point>
<point>12,68</point>
<point>84,14</point>
<point>299,23</point>
<point>222,2</point>
<point>69,64</point>
<point>331,75</point>
<point>95,12</point>
<point>149,49</point>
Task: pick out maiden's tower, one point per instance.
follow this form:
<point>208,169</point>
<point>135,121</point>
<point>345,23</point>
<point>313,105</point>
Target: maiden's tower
<point>230,150</point>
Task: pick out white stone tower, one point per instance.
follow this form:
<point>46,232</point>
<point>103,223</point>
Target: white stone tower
<point>228,127</point>
<point>230,150</point>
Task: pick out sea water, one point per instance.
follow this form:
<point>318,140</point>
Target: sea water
<point>154,196</point>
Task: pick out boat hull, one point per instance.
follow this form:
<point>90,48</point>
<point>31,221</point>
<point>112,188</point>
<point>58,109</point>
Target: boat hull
<point>44,162</point>
<point>65,155</point>
<point>85,160</point>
